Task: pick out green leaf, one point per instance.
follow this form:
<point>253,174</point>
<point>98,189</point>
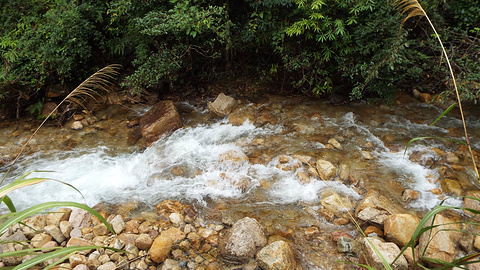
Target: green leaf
<point>8,202</point>
<point>444,113</point>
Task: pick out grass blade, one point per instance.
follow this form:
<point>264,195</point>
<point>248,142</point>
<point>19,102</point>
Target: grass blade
<point>423,138</point>
<point>8,202</point>
<point>444,113</point>
<point>19,216</point>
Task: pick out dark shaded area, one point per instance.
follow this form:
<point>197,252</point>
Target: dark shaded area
<point>353,49</point>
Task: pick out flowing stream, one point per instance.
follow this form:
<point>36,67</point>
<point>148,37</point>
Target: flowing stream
<point>229,171</point>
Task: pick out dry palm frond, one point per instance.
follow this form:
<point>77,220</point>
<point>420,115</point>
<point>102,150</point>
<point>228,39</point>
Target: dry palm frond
<point>101,81</point>
<point>413,8</point>
<point>410,7</point>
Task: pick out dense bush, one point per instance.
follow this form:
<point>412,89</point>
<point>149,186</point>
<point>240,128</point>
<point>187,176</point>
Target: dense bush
<point>352,46</point>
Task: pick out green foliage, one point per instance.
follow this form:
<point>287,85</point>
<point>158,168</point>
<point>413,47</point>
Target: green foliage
<point>354,46</point>
<point>177,41</point>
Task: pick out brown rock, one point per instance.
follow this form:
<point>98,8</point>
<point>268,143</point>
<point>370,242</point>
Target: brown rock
<point>473,202</point>
<point>409,195</point>
<point>373,230</point>
<point>451,186</point>
<point>54,218</point>
<point>33,225</point>
<point>75,242</point>
<point>399,228</point>
<point>326,170</point>
<point>276,256</point>
<point>390,251</point>
<point>160,249</point>
<point>167,207</point>
<point>40,239</point>
<point>77,259</point>
<point>163,117</point>
<point>143,242</point>
<point>173,233</point>
<point>375,207</point>
<point>222,105</point>
<point>100,230</point>
<point>47,108</point>
<point>439,242</point>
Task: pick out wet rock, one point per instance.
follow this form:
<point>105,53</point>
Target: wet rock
<point>100,230</point>
<point>344,173</point>
<point>451,158</point>
<point>399,228</point>
<point>409,195</point>
<point>233,157</point>
<point>55,232</point>
<point>348,245</point>
<point>389,251</point>
<point>471,203</point>
<point>303,177</point>
<point>242,241</point>
<point>118,224</point>
<point>335,143</point>
<point>240,115</point>
<point>76,125</point>
<point>160,249</point>
<point>222,105</point>
<point>62,214</point>
<point>173,233</point>
<point>423,97</point>
<point>166,207</point>
<point>143,242</point>
<point>451,186</point>
<point>336,204</point>
<point>276,256</point>
<point>373,231</point>
<point>325,169</point>
<point>375,207</point>
<point>209,236</point>
<point>176,219</point>
<point>440,242</point>
<point>163,117</point>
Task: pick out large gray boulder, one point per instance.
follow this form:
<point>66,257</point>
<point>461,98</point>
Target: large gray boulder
<point>163,117</point>
<point>240,244</point>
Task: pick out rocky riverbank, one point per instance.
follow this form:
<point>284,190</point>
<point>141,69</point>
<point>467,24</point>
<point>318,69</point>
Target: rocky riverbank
<point>303,144</point>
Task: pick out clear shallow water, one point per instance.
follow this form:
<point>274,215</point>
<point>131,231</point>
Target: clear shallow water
<point>229,170</point>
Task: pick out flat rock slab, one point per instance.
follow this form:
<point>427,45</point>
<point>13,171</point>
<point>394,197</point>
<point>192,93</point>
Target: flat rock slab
<point>163,117</point>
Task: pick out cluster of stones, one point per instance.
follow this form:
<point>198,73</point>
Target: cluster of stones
<point>173,237</point>
<point>390,228</point>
